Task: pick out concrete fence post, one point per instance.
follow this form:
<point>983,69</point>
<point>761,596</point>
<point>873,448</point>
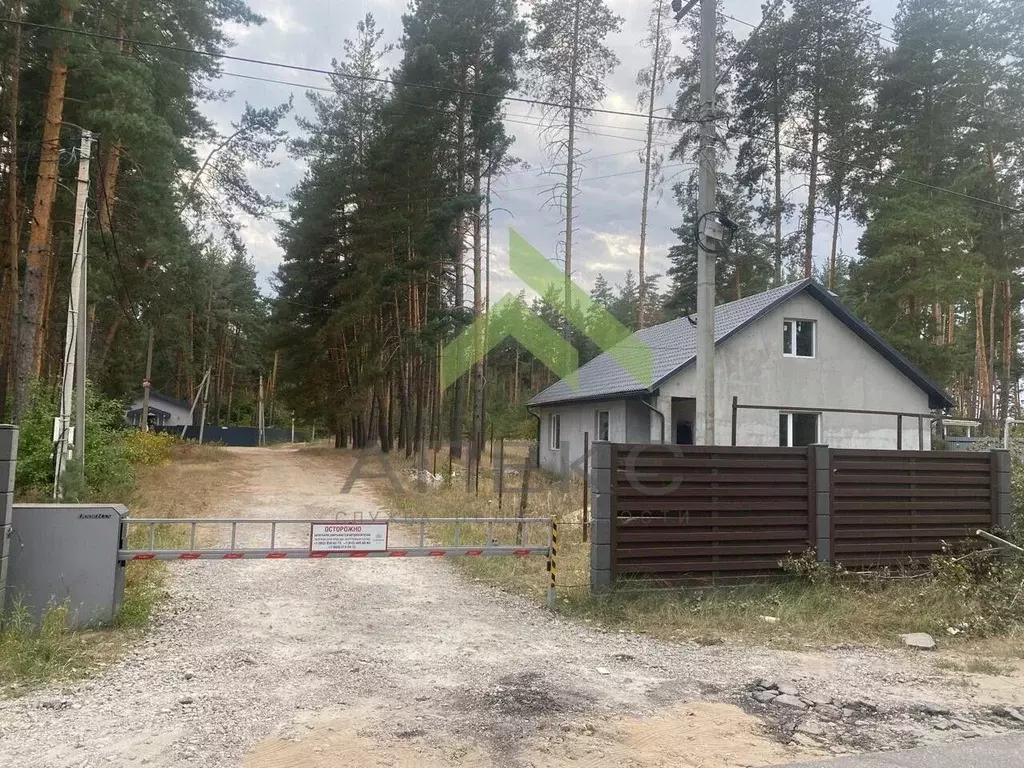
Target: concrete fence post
<point>1002,496</point>
<point>602,518</point>
<point>8,462</point>
<point>820,461</point>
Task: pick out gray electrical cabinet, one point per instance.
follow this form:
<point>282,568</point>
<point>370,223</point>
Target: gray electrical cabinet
<point>67,553</point>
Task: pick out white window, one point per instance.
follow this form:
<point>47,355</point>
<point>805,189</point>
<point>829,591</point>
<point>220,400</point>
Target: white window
<point>603,425</point>
<point>796,429</point>
<point>555,431</point>
<point>799,338</point>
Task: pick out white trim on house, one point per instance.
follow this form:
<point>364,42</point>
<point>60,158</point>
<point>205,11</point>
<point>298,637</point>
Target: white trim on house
<point>789,429</point>
<point>554,431</point>
<point>791,334</point>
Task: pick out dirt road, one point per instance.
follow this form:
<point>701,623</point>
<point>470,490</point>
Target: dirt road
<point>404,663</point>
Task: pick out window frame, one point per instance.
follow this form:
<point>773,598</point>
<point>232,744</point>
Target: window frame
<point>788,415</point>
<point>608,424</point>
<point>553,443</point>
<point>791,337</point>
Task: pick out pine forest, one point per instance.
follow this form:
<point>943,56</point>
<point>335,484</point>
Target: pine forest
<point>828,122</point>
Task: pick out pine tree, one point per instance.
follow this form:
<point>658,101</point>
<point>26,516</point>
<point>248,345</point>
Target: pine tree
<point>568,63</point>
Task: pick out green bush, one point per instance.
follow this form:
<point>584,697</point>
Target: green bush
<point>109,471</point>
<point>149,447</point>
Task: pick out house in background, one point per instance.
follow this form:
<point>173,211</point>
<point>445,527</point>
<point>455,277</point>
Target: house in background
<point>795,346</point>
<point>164,411</point>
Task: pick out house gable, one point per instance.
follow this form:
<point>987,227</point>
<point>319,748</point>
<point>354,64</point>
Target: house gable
<point>674,349</point>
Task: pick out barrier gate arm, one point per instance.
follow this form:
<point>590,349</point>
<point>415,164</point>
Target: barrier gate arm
<point>424,548</point>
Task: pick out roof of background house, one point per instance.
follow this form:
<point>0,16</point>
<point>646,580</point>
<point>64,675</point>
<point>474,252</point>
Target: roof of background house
<point>674,347</point>
<point>152,411</point>
<point>154,395</point>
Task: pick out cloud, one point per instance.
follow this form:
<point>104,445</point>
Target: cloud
<point>310,33</point>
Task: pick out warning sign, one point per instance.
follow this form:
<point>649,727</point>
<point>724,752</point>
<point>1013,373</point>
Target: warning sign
<point>342,536</point>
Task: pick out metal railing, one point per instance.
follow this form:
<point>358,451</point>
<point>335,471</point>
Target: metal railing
<point>921,418</point>
<point>465,536</point>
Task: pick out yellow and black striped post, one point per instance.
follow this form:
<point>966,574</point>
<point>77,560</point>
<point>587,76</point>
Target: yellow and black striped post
<point>552,563</point>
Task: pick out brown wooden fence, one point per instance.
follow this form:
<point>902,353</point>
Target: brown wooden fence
<point>893,508</point>
<point>691,515</point>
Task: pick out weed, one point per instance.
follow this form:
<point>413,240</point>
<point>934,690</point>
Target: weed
<point>172,479</point>
<point>977,666</point>
<point>31,653</point>
<point>817,603</point>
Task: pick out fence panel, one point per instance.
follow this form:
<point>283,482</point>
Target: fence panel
<point>895,508</point>
<point>693,515</point>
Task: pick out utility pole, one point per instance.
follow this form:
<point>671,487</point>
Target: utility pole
<point>147,383</point>
<point>74,334</point>
<point>195,402</point>
<point>259,415</point>
<point>707,234</point>
<point>206,399</point>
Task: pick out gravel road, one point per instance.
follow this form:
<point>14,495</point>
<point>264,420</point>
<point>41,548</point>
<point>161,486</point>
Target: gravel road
<point>368,663</point>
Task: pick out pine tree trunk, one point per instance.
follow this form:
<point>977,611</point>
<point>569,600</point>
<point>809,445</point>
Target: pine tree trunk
<point>981,363</point>
<point>110,166</point>
<point>515,379</point>
<point>382,419</point>
<point>12,213</point>
<point>39,260</point>
<point>1008,349</point>
<point>642,292</point>
<point>476,441</point>
<point>812,197</point>
<point>833,259</point>
<point>778,207</point>
<point>458,414</point>
<point>992,350</point>
<point>570,176</point>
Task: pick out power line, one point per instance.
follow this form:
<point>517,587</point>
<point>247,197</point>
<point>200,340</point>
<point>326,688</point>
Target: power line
<point>887,174</point>
<point>129,311</point>
<point>978,105</point>
<point>333,73</point>
<point>506,117</point>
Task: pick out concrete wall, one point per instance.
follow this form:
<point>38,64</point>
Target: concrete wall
<point>845,373</point>
<point>580,418</point>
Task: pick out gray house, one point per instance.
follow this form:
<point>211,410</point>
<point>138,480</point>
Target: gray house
<point>164,411</point>
<point>796,347</point>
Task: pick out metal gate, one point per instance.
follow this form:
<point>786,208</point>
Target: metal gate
<point>295,539</point>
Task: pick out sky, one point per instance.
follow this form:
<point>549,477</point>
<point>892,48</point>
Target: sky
<point>309,33</point>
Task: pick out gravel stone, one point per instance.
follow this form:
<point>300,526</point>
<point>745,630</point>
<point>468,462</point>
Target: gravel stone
<point>788,689</point>
<point>920,640</point>
<point>787,700</point>
<point>765,697</point>
<point>828,712</point>
<point>817,699</point>
<point>811,727</point>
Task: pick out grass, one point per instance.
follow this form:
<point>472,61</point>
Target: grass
<point>977,666</point>
<point>806,611</point>
<point>182,482</point>
<point>30,654</point>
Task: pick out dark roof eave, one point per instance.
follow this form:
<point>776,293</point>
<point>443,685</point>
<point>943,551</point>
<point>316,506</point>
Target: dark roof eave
<point>626,394</point>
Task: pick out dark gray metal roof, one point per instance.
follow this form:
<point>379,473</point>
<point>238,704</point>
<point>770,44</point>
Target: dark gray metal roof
<point>154,395</point>
<point>674,346</point>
